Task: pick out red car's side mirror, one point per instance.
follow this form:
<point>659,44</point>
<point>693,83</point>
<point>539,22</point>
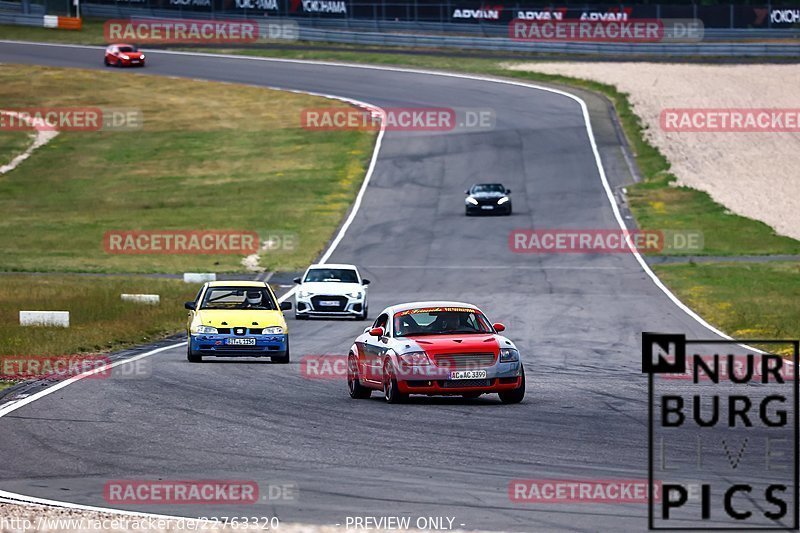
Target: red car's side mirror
<point>498,327</point>
<point>376,332</point>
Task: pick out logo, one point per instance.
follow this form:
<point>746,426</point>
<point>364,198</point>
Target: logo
<point>161,492</point>
<point>181,31</point>
<point>697,120</point>
<point>319,6</point>
<point>180,242</point>
<point>266,5</point>
<point>722,442</point>
<point>547,14</point>
<point>663,353</point>
<point>482,13</point>
<point>784,16</point>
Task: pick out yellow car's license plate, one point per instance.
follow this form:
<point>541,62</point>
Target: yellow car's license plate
<point>241,342</point>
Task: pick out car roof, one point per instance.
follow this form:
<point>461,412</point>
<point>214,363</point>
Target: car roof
<point>493,183</point>
<point>437,303</point>
<point>332,265</point>
<point>236,283</point>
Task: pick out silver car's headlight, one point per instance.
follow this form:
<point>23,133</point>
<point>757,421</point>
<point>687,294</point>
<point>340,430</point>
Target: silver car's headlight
<point>205,330</point>
<point>356,294</point>
<point>471,200</point>
<point>306,294</point>
<point>502,200</point>
<point>508,355</point>
<point>275,330</point>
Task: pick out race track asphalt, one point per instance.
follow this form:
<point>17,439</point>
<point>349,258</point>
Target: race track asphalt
<point>576,318</point>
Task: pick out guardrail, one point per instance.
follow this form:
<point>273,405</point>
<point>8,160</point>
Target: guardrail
<point>595,49</point>
<point>392,26</point>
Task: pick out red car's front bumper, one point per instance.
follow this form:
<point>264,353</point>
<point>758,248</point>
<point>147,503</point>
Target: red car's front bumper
<point>437,386</point>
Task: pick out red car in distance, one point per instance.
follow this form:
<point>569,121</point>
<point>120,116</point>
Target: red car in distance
<point>123,55</point>
<point>434,348</point>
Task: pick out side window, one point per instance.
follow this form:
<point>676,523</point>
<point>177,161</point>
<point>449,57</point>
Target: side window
<point>381,321</point>
<point>199,293</point>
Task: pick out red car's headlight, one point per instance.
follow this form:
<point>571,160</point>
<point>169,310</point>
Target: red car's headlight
<point>414,358</point>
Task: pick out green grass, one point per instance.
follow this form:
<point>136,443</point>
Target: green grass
<point>99,320</point>
<point>746,300</point>
<point>13,143</point>
<point>200,162</point>
<point>92,33</point>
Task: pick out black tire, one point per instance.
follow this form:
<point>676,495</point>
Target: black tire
<point>364,314</point>
<point>105,62</point>
<point>514,395</point>
<point>192,357</point>
<point>468,213</point>
<point>390,392</point>
<point>508,213</point>
<point>300,317</point>
<point>282,359</point>
<point>354,386</point>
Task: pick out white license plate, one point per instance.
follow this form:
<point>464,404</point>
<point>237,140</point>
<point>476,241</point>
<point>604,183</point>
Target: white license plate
<point>328,303</point>
<point>487,207</point>
<point>468,374</point>
<point>241,342</point>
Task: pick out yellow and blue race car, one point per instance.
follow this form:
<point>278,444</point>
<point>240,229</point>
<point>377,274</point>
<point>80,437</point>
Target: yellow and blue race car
<point>237,319</point>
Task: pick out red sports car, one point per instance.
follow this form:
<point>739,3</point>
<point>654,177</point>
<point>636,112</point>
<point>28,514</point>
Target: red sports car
<point>123,55</point>
<point>435,348</point>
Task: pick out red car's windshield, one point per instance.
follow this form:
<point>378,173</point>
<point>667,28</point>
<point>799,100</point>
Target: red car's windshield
<point>440,321</point>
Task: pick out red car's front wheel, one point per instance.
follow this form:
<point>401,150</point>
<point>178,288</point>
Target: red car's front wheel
<point>390,391</point>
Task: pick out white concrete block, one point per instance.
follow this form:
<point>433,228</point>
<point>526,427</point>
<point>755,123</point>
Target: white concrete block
<point>44,318</point>
<point>150,299</point>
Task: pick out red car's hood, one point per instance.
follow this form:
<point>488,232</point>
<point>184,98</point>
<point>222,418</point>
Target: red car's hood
<point>450,344</point>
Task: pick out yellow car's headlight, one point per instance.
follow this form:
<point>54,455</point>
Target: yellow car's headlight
<point>205,330</point>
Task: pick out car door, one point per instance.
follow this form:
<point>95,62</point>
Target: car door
<point>374,349</point>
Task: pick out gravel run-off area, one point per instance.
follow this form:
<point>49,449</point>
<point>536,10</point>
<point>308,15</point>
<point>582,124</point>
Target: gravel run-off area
<point>754,174</point>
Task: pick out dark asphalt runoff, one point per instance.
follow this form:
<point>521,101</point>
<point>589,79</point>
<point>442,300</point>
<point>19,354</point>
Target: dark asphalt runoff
<point>577,319</point>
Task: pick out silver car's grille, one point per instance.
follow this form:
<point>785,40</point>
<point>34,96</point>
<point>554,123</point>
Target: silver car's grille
<point>464,361</point>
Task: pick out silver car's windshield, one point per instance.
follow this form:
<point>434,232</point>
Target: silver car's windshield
<point>343,275</point>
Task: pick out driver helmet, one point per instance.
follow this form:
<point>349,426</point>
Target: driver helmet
<point>253,297</point>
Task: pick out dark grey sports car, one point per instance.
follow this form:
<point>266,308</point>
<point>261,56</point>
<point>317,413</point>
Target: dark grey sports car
<point>488,198</point>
